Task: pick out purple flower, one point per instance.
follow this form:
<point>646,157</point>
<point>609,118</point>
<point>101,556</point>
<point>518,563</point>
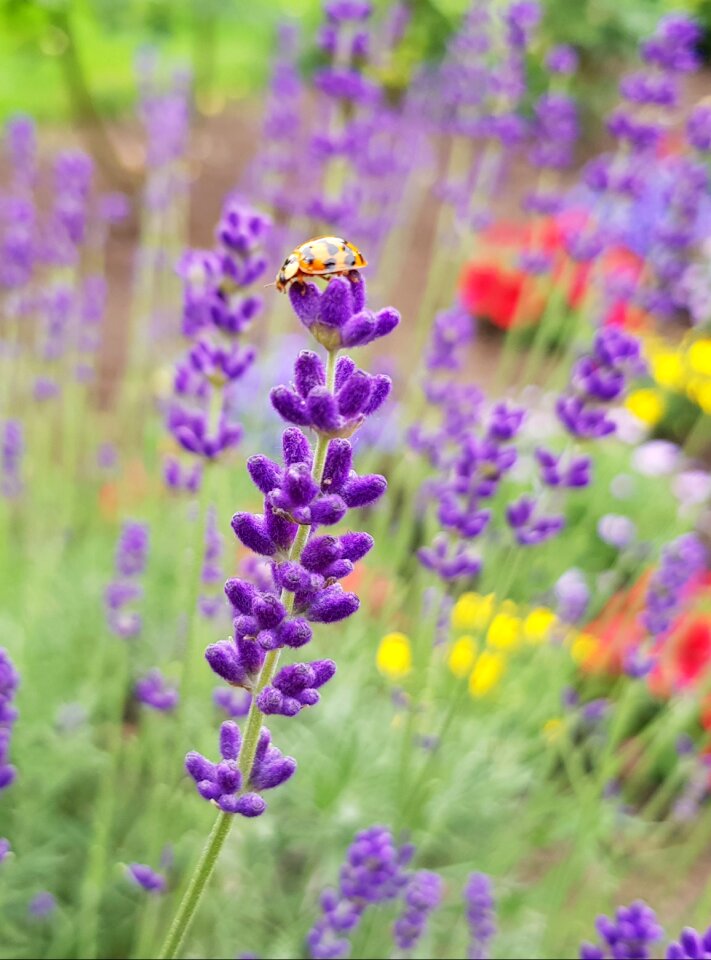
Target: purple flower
<point>5,848</point>
<point>421,896</point>
<point>597,380</point>
<point>121,594</point>
<point>145,877</point>
<point>235,703</point>
<point>373,873</point>
<point>682,560</point>
<point>698,127</point>
<point>42,906</point>
<point>9,682</point>
<point>479,902</point>
<point>154,691</point>
<point>616,530</point>
<point>691,945</point>
<point>673,47</point>
<point>572,596</point>
<point>12,445</point>
<point>222,782</point>
<point>630,934</point>
<point>562,59</point>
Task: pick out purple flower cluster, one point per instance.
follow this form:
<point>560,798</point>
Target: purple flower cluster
<point>154,691</point>
<point>313,487</point>
<point>691,945</point>
<point>373,873</point>
<point>599,379</point>
<point>235,703</point>
<point>479,902</point>
<point>217,310</point>
<point>529,527</point>
<point>222,782</point>
<point>9,681</point>
<point>146,878</point>
<point>631,933</point>
<point>11,449</point>
<point>471,478</point>
<point>5,849</point>
<point>681,561</point>
<point>125,590</point>
<point>421,896</point>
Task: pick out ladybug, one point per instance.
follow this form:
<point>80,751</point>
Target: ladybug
<point>321,257</point>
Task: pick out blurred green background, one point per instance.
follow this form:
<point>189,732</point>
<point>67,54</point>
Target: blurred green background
<point>54,55</point>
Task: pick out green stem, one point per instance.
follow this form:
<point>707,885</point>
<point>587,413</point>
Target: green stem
<point>208,858</point>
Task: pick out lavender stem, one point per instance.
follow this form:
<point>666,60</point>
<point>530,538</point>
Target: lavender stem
<point>203,871</point>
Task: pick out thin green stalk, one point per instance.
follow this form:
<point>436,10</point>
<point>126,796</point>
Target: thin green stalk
<point>203,871</point>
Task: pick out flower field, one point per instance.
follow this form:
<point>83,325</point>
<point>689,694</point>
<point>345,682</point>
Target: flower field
<point>355,542</point>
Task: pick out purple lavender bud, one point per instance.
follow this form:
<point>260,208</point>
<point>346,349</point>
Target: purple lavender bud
<point>332,605</point>
<point>241,595</point>
<point>235,703</point>
<point>422,895</point>
<point>298,487</point>
<point>146,878</point>
<point>296,448</point>
<point>479,901</point>
<point>321,552</point>
<point>230,740</point>
<point>631,933</point>
<point>5,848</point>
<point>251,531</point>
<point>153,690</point>
<point>698,127</point>
<point>337,468</point>
<point>309,372</point>
<point>363,491</point>
<point>563,60</point>
<point>328,510</point>
<point>294,633</point>
<point>42,906</point>
<point>290,406</point>
<point>265,474</point>
<point>199,768</point>
<point>355,546</point>
<point>691,945</point>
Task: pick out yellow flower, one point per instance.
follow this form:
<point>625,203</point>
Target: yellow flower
<point>552,729</point>
<point>538,625</point>
<point>505,629</point>
<point>668,369</point>
<point>698,357</point>
<point>486,673</point>
<point>472,611</point>
<point>394,657</point>
<point>583,646</point>
<point>646,405</point>
<point>699,392</point>
<point>462,655</point>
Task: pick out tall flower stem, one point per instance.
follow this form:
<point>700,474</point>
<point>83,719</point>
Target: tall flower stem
<point>208,858</point>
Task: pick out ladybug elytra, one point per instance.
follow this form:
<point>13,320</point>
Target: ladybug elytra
<point>320,257</point>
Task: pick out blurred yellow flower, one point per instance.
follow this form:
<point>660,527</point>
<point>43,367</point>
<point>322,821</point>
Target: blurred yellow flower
<point>646,405</point>
<point>472,611</point>
<point>462,655</point>
<point>552,729</point>
<point>487,672</point>
<point>699,391</point>
<point>667,369</point>
<point>505,629</point>
<point>698,357</point>
<point>583,646</point>
<point>538,625</point>
<point>394,657</point>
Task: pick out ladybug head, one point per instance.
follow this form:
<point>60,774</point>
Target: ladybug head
<point>288,271</point>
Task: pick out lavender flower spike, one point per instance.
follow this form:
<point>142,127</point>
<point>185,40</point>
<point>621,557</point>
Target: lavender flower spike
<point>146,878</point>
<point>313,487</point>
<point>630,934</point>
<point>9,682</point>
<point>480,915</point>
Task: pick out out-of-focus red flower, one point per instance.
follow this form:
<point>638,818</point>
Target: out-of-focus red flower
<point>495,288</point>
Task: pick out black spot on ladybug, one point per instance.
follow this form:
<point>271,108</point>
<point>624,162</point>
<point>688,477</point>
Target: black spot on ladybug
<point>332,248</point>
<point>329,264</point>
<point>307,255</point>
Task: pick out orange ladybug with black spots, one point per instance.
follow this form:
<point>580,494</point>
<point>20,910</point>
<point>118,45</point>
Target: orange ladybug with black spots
<point>321,257</point>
